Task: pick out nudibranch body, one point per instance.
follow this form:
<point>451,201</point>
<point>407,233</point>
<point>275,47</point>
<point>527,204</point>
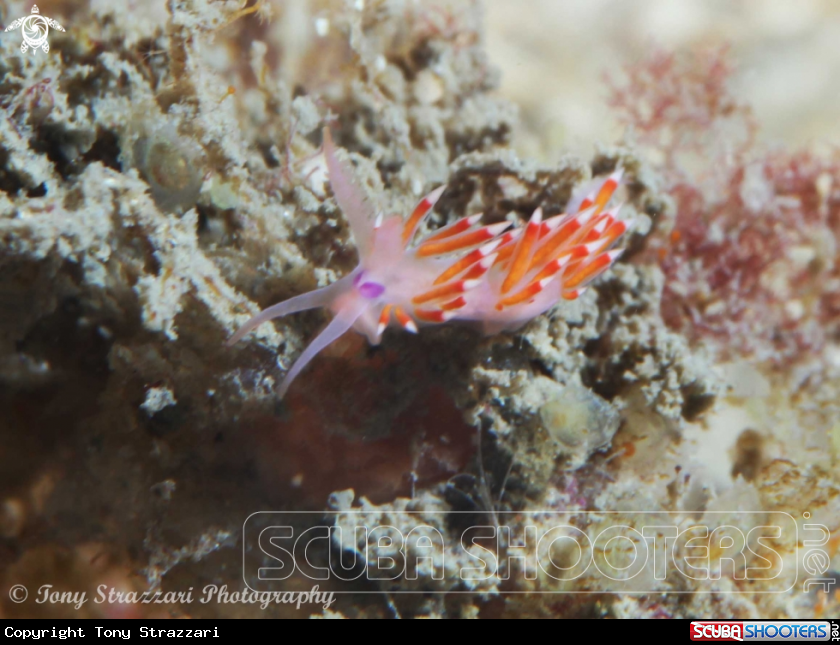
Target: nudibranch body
<point>495,275</point>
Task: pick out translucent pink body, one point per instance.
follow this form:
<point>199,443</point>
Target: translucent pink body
<point>492,275</point>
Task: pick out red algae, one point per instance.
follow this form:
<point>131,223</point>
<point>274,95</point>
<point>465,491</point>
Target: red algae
<point>749,256</point>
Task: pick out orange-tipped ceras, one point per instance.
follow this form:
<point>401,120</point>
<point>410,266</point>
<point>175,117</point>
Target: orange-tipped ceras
<point>495,275</point>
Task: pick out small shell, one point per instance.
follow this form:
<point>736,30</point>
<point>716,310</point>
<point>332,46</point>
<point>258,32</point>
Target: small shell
<point>580,421</point>
<point>171,165</point>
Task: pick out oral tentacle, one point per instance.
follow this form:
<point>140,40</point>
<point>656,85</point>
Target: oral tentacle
<point>338,326</point>
<point>312,300</point>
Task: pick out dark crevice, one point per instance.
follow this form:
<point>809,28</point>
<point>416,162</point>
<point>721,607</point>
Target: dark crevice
<point>106,149</point>
<point>10,181</point>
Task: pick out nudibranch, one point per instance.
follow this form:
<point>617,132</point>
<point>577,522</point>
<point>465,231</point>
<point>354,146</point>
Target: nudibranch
<point>496,275</point>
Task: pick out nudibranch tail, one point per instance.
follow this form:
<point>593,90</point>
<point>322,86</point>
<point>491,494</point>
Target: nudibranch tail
<point>498,275</point>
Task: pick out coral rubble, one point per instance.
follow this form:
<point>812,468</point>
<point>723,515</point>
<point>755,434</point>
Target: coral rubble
<point>161,180</point>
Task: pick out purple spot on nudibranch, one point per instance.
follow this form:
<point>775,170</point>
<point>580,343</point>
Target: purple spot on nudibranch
<point>371,289</point>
